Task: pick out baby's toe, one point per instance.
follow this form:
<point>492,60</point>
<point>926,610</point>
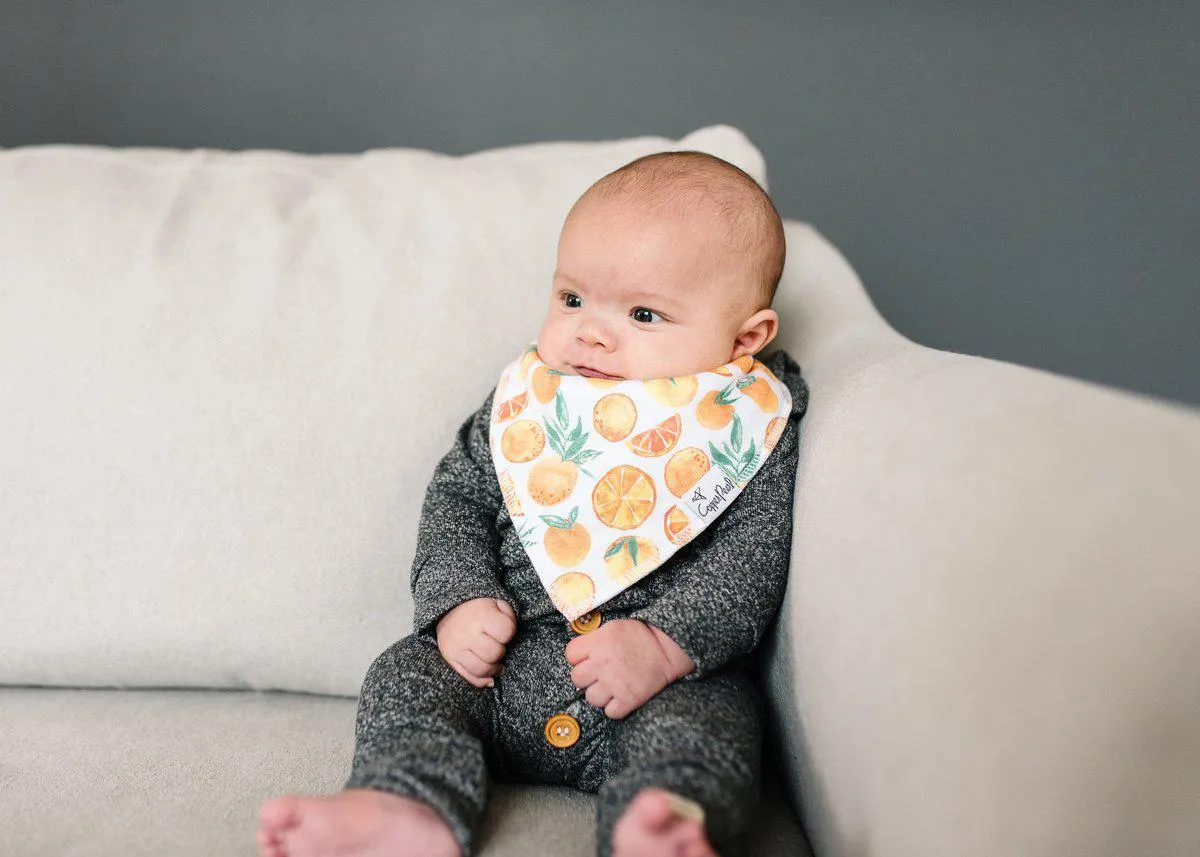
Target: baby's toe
<point>268,844</point>
<point>651,809</point>
<point>693,841</point>
<point>280,814</point>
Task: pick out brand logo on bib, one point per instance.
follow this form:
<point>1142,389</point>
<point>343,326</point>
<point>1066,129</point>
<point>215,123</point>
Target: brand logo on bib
<point>711,495</point>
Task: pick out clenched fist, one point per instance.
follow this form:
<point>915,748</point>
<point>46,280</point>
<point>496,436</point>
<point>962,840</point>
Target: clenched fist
<point>625,662</point>
<point>472,637</point>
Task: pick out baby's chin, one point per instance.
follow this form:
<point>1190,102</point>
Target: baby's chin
<point>669,372</point>
<point>649,374</point>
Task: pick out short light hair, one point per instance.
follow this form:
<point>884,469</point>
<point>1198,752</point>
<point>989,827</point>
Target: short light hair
<point>688,181</point>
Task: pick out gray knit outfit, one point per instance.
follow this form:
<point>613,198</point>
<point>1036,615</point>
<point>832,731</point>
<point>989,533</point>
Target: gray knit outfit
<point>424,732</point>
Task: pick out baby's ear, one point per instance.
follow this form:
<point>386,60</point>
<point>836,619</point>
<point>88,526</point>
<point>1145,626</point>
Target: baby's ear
<point>756,333</point>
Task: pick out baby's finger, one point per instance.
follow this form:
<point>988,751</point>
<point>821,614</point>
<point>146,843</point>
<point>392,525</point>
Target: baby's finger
<point>585,674</point>
<point>462,671</point>
<point>577,650</point>
<point>499,624</point>
<point>506,609</point>
<point>474,664</point>
<point>616,709</point>
<point>599,695</point>
<point>487,649</point>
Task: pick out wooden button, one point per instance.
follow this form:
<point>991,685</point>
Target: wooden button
<point>562,730</point>
<point>587,623</point>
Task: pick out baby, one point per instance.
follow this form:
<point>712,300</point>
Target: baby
<point>666,273</point>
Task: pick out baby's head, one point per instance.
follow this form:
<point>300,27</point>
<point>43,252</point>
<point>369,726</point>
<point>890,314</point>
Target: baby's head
<point>666,267</point>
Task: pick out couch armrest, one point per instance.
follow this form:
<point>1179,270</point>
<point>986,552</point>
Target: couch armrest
<point>988,644</point>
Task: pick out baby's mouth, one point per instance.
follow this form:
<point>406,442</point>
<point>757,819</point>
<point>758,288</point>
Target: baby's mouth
<point>588,372</point>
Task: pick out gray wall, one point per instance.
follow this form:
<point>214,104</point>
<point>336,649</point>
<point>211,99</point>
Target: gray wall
<point>1018,180</point>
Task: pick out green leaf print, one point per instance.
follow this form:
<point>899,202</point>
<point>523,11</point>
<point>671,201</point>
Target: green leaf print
<point>568,442</point>
<point>560,408</point>
<point>559,522</point>
<point>628,543</point>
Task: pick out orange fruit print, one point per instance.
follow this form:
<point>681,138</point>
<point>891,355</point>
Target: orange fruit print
<point>678,526</point>
<point>566,542</point>
<point>572,590</point>
<point>659,440</point>
<point>672,392</point>
<point>624,497</point>
<point>774,431</point>
<point>685,469</point>
<point>630,558</point>
<point>545,383</point>
<point>524,440</point>
<point>508,409</point>
<point>614,417</point>
<point>716,408</point>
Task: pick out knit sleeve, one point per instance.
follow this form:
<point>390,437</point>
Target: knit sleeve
<point>726,587</point>
<point>457,555</point>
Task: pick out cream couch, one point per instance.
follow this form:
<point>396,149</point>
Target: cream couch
<point>211,465</point>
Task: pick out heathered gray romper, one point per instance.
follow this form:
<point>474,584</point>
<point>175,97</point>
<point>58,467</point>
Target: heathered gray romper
<point>424,732</point>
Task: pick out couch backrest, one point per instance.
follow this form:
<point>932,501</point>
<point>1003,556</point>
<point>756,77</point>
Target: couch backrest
<point>212,457</point>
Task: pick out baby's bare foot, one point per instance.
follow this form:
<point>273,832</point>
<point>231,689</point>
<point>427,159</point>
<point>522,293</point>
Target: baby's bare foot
<point>654,824</point>
<point>354,823</point>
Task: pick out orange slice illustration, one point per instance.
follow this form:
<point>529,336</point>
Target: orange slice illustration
<point>506,410</point>
<point>685,469</point>
<point>509,491</point>
<point>678,526</point>
<point>624,497</point>
<point>659,440</point>
<point>774,431</point>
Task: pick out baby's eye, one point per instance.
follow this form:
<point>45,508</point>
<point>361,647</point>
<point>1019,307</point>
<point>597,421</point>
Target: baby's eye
<point>646,316</point>
<point>572,300</point>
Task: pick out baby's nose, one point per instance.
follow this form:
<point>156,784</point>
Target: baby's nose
<point>595,333</point>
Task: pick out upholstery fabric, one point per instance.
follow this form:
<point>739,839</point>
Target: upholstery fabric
<point>211,469</point>
<point>988,643</point>
<point>101,773</point>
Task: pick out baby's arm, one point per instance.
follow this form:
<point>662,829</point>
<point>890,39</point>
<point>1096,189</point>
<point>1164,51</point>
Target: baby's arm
<point>718,595</point>
<point>457,556</point>
<point>472,638</point>
<point>716,608</point>
<point>623,663</point>
<point>725,588</point>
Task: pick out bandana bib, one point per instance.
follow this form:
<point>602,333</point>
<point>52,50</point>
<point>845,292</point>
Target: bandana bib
<point>605,480</point>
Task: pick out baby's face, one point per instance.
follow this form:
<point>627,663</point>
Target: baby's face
<point>641,297</point>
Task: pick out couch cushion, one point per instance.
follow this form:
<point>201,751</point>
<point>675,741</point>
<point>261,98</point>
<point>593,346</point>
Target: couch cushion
<point>212,464</point>
<point>128,773</point>
<point>989,641</point>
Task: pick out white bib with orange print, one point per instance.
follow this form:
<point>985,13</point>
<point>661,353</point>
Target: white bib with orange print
<point>605,480</point>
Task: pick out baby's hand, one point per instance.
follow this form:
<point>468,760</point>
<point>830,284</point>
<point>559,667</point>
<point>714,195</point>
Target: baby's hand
<point>472,637</point>
<point>625,662</point>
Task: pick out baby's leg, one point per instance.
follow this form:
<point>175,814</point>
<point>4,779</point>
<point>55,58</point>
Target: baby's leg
<point>418,783</point>
<point>700,740</point>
